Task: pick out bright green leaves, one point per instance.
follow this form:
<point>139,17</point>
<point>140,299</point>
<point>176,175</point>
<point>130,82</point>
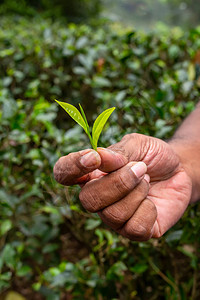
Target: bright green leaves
<point>74,113</point>
<point>81,119</point>
<point>99,124</point>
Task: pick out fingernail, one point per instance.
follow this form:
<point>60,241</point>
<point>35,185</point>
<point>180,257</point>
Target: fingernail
<point>147,178</point>
<point>139,169</point>
<point>90,159</point>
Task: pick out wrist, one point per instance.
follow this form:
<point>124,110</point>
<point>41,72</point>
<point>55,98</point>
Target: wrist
<point>188,152</point>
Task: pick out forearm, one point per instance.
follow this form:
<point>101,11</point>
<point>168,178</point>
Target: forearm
<point>186,144</point>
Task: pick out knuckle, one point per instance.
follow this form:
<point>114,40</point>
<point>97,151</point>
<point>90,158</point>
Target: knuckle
<point>151,208</point>
<point>114,215</point>
<point>140,228</point>
<point>120,147</point>
<point>142,188</point>
<point>126,137</point>
<point>129,136</point>
<point>89,199</point>
<point>137,231</point>
<point>157,235</point>
<point>121,184</point>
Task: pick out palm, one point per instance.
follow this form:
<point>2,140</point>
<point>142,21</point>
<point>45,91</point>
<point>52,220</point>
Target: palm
<point>171,198</point>
<point>170,186</point>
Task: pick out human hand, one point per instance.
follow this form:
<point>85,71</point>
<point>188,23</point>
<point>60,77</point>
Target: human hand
<point>115,185</point>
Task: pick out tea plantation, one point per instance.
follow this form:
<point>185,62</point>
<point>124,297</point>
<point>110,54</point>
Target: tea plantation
<point>50,247</point>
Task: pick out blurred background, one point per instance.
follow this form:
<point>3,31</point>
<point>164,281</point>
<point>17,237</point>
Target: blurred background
<point>142,57</point>
<point>147,15</point>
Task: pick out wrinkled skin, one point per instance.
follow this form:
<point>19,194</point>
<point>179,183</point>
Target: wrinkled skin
<point>132,206</point>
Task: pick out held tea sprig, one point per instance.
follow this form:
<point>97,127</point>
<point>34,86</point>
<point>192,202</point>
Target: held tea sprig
<point>80,118</point>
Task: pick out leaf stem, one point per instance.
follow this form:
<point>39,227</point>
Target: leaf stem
<point>91,141</point>
<point>88,128</point>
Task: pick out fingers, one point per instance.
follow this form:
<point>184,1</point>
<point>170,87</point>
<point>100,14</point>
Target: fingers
<point>156,154</point>
<point>120,212</point>
<point>75,167</point>
<point>140,226</point>
<point>133,147</point>
<point>111,160</point>
<point>120,198</point>
<point>100,193</point>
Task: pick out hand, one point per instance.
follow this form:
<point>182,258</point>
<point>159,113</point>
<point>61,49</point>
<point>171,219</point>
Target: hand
<point>136,205</point>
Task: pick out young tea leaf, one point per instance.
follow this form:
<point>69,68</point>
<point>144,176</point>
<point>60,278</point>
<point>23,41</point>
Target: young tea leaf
<point>84,118</point>
<point>99,124</point>
<point>81,119</point>
<point>86,122</point>
<point>74,114</point>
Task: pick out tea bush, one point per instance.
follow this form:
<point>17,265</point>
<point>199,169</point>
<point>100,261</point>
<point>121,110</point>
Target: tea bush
<point>51,248</point>
<point>71,10</point>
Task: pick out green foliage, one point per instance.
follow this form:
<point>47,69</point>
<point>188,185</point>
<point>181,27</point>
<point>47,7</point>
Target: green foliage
<point>71,10</point>
<point>48,242</point>
<point>82,121</point>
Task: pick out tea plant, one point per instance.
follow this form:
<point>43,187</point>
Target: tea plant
<point>81,119</point>
<point>49,247</point>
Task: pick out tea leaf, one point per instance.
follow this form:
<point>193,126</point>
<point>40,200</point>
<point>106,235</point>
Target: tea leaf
<point>82,121</point>
<point>74,114</point>
<point>86,122</point>
<point>84,117</point>
<point>99,124</point>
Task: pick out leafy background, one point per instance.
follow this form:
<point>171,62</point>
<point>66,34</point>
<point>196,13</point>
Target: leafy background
<point>51,248</point>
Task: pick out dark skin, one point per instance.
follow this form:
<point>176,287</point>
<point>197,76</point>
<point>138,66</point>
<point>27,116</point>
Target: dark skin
<point>138,200</point>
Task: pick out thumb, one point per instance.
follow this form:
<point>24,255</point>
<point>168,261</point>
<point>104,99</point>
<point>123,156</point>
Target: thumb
<point>132,147</point>
<point>111,160</point>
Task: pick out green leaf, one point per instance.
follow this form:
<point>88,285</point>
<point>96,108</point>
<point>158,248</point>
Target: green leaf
<point>8,257</point>
<point>108,236</point>
<point>91,224</point>
<point>36,286</point>
<point>99,233</point>
<point>117,270</point>
<point>5,227</point>
<point>82,121</point>
<point>84,118</point>
<point>74,114</point>
<point>139,268</point>
<point>86,122</point>
<point>24,271</point>
<point>99,124</point>
<point>54,271</point>
<point>49,248</point>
